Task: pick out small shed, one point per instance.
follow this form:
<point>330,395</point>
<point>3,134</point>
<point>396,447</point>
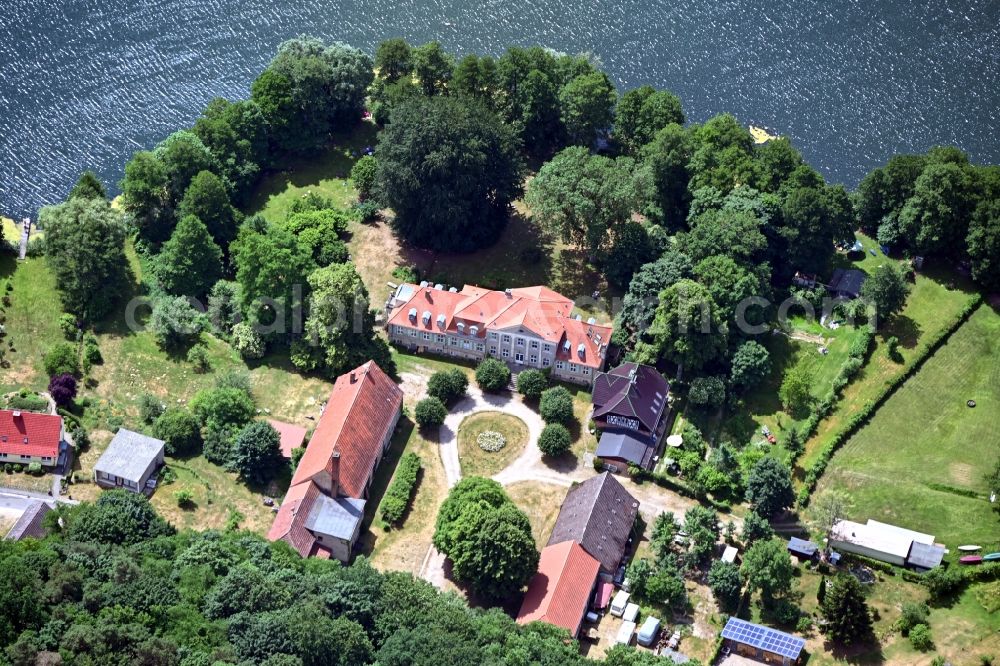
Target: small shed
<point>802,549</point>
<point>729,555</point>
<point>130,462</point>
<point>29,524</point>
<point>847,283</point>
<point>762,643</point>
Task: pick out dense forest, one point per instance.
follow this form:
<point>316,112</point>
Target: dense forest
<point>115,584</point>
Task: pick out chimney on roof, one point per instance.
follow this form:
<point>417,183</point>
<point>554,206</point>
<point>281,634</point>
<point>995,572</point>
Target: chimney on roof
<point>333,470</point>
<point>17,414</point>
<point>508,293</point>
<point>354,377</point>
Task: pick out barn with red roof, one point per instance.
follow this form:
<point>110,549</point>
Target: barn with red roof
<point>322,512</point>
<point>559,593</point>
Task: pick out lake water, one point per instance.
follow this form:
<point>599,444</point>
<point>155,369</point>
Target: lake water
<point>84,83</point>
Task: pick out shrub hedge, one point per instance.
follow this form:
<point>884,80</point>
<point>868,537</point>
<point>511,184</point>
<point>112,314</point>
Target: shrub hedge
<point>860,418</point>
<point>397,496</point>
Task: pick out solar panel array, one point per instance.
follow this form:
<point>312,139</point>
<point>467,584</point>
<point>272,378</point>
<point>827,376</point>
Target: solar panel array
<point>763,638</point>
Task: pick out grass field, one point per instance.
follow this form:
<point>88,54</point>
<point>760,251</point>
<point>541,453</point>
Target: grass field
<point>925,434</point>
<point>32,321</point>
<point>477,462</point>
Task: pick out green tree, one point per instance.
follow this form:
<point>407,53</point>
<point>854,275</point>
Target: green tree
<point>554,440</point>
<point>247,341</point>
<point>256,455</point>
<point>767,568</point>
<point>983,244</point>
<point>726,584</point>
<point>85,250</point>
<point>433,67</point>
<point>707,391</point>
<point>587,105</point>
<point>935,219</point>
<point>492,375</point>
<point>206,199</point>
<point>180,432</point>
<point>340,326</point>
<point>537,116</point>
<point>61,359</point>
<point>183,156</point>
<point>732,233</point>
<point>732,285</point>
<point>844,609</point>
<point>531,383</point>
<point>642,113</point>
<point>223,406</point>
<point>321,231</point>
<point>583,198</point>
<point>688,328</point>
<point>21,598</point>
<point>144,191</point>
<point>272,267</point>
<point>448,386</point>
<point>175,323</point>
<point>755,528</point>
<point>556,405</point>
<point>190,262</point>
<point>643,295</point>
<point>469,491</point>
<point>722,155</point>
<point>920,638</point>
<point>777,159</point>
<point>911,615</point>
<point>394,59</point>
<point>666,587</point>
<point>667,157</point>
<point>630,249</point>
<point>475,76</point>
<point>309,89</point>
<point>363,175</point>
<point>884,191</point>
<point>886,289</point>
<point>88,186</point>
<point>425,144</point>
<point>751,364</point>
<point>813,219</point>
<point>117,517</point>
<point>236,134</point>
<point>794,392</point>
<point>769,487</point>
<point>430,412</point>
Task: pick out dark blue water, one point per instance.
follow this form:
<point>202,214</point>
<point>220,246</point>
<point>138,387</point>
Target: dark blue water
<point>84,83</point>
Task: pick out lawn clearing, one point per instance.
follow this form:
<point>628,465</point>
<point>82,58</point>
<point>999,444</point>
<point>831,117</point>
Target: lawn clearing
<point>32,321</point>
<point>477,462</point>
<point>29,482</point>
<point>327,174</point>
<point>541,501</point>
<point>925,434</point>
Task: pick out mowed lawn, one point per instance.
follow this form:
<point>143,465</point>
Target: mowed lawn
<point>925,434</point>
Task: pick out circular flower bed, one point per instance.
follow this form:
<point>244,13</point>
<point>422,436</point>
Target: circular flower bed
<point>490,440</point>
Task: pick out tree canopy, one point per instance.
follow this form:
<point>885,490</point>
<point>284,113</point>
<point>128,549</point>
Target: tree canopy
<point>427,142</point>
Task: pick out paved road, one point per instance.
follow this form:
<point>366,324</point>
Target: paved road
<point>17,498</point>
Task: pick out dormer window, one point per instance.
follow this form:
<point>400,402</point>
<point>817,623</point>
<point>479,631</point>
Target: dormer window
<point>427,317</point>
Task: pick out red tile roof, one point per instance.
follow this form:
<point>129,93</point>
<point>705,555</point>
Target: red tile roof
<point>292,436</point>
<point>290,522</point>
<point>539,310</point>
<point>30,434</point>
<point>560,591</point>
<point>363,404</point>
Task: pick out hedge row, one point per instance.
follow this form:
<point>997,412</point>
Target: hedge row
<point>857,354</point>
<point>397,497</point>
<point>859,419</point>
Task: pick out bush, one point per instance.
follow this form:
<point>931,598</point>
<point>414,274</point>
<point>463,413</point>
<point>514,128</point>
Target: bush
<point>491,441</point>
<point>492,375</point>
<point>363,175</point>
<point>366,211</point>
<point>30,402</point>
<point>62,388</point>
<point>68,326</point>
<point>198,357</point>
<point>35,468</point>
<point>178,428</point>
<point>174,322</point>
<point>150,407</point>
<point>247,341</point>
<point>920,637</point>
<point>860,345</point>
<point>397,496</point>
<point>448,386</point>
<point>184,497</point>
<point>554,440</point>
<point>912,615</point>
<point>223,406</point>
<point>707,391</point>
<point>556,405</point>
<point>531,383</point>
<point>406,274</point>
<point>430,412</point>
<point>91,352</point>
<point>61,359</point>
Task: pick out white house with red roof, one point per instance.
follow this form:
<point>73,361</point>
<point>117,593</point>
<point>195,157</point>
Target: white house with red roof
<point>30,437</point>
<point>322,512</point>
<point>530,327</point>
